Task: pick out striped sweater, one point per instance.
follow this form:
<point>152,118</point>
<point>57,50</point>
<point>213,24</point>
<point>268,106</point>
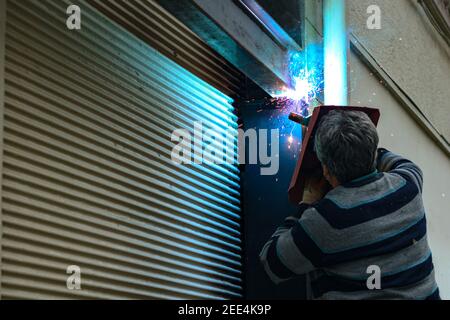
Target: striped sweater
<point>377,220</point>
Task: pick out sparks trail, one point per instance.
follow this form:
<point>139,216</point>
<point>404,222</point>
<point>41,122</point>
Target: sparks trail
<point>306,72</point>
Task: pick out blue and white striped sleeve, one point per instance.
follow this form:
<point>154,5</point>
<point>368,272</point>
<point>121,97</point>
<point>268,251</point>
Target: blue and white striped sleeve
<point>392,163</point>
<point>281,256</point>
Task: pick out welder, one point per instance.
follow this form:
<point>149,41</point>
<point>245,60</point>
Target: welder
<point>360,232</point>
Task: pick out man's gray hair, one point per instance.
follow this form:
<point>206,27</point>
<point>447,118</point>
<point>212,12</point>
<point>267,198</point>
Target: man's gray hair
<point>346,143</point>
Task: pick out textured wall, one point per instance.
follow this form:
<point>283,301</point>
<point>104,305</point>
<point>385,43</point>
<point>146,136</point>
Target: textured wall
<point>412,53</point>
<point>401,134</point>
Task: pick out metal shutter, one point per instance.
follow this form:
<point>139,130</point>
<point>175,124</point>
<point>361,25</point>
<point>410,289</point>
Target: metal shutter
<point>87,175</point>
<point>161,30</point>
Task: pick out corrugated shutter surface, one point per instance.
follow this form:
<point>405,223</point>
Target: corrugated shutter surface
<point>88,179</point>
<point>158,28</point>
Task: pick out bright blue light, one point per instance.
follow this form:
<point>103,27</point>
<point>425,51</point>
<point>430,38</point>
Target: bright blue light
<point>335,51</point>
<point>306,71</point>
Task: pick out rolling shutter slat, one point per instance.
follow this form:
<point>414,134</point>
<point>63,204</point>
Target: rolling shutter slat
<point>155,26</point>
<point>87,174</point>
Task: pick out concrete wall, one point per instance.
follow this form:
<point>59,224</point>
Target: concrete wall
<point>417,59</point>
<point>411,52</point>
<point>401,134</point>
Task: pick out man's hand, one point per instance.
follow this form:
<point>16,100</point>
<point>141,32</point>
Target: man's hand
<point>316,187</point>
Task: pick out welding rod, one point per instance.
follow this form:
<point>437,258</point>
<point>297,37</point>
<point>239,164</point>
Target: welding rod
<point>304,121</point>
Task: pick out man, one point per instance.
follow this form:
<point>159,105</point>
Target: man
<point>366,238</point>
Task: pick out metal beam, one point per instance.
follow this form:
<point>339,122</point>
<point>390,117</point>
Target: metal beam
<point>225,27</point>
<point>278,33</point>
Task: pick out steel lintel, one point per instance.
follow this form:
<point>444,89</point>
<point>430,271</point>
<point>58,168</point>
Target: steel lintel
<point>225,27</point>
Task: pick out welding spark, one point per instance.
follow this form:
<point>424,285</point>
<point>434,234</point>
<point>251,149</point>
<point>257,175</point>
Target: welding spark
<point>306,74</point>
<point>306,78</point>
<point>291,139</point>
<point>306,88</point>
